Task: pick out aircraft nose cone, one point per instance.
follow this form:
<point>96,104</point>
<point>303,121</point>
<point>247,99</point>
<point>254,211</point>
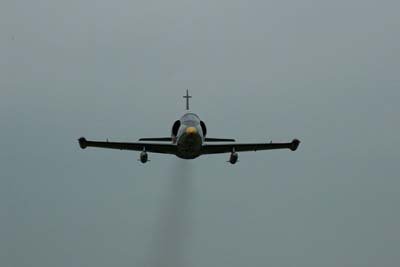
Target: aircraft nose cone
<point>191,130</point>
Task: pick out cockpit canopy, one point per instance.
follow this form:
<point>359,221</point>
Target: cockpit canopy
<point>190,119</point>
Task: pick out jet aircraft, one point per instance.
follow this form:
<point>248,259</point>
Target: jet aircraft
<point>188,140</point>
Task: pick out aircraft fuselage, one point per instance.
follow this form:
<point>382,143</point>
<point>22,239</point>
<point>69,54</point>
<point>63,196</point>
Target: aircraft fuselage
<point>190,137</point>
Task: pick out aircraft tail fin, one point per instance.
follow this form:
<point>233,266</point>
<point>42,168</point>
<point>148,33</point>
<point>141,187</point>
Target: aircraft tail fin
<point>187,96</point>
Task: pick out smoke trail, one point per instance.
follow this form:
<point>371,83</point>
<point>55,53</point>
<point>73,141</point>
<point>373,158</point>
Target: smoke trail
<point>173,229</point>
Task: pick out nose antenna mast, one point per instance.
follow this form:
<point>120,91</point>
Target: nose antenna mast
<point>187,96</point>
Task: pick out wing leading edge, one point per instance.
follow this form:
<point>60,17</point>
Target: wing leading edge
<point>172,149</point>
<point>226,148</point>
<point>148,147</point>
<point>169,139</point>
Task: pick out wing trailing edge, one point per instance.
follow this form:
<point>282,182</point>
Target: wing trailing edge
<point>157,139</point>
<point>207,139</point>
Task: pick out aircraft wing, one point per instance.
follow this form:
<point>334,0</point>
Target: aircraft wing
<point>208,139</point>
<point>157,139</point>
<point>137,146</point>
<point>226,148</point>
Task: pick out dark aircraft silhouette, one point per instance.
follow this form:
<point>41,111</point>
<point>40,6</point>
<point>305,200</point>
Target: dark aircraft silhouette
<point>188,141</point>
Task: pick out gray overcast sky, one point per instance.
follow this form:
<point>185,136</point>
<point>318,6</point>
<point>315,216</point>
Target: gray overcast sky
<point>326,72</point>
